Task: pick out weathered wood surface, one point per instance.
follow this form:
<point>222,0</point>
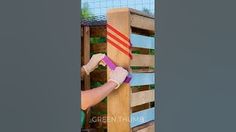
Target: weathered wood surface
<point>143,60</point>
<point>119,100</point>
<point>142,22</point>
<point>142,97</point>
<point>86,58</point>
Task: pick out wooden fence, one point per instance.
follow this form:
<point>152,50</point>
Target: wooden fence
<point>128,40</point>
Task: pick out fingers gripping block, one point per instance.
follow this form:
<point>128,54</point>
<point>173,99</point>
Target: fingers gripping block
<point>112,66</point>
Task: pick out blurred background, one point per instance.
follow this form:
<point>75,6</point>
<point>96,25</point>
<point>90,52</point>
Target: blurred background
<point>96,9</point>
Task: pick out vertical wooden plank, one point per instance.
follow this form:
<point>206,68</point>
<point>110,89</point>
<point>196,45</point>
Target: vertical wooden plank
<point>119,100</point>
<point>86,55</point>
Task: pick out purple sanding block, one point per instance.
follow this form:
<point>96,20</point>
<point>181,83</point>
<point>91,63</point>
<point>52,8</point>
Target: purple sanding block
<point>112,66</point>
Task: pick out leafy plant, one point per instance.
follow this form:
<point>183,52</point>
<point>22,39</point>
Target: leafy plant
<point>85,12</point>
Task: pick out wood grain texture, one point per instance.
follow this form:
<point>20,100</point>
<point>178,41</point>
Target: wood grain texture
<point>143,60</point>
<point>140,13</point>
<point>86,56</point>
<point>142,22</point>
<point>119,100</point>
<point>142,97</point>
<point>143,106</point>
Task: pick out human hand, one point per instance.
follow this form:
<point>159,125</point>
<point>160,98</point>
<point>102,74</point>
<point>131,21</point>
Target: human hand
<point>118,76</point>
<point>93,63</point>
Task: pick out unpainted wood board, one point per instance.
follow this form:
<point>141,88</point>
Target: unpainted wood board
<point>119,100</point>
<point>142,22</point>
<point>142,97</point>
<point>143,60</point>
<point>86,58</point>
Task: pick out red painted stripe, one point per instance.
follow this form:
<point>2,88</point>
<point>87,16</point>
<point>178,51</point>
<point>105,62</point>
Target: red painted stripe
<point>118,40</point>
<point>119,48</point>
<point>118,32</point>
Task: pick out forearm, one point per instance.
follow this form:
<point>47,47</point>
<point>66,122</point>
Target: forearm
<point>92,97</point>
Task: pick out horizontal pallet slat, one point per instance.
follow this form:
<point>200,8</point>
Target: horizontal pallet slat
<point>142,41</point>
<point>143,106</point>
<point>102,47</point>
<point>139,79</point>
<point>98,31</point>
<point>142,22</point>
<point>143,60</point>
<point>141,13</point>
<point>142,97</point>
<point>141,117</point>
<point>147,127</point>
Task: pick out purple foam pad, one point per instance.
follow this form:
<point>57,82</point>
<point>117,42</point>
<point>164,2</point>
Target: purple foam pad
<point>112,66</point>
<point>109,63</point>
<point>128,79</point>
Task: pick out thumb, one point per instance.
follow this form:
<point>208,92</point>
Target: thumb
<point>102,63</point>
